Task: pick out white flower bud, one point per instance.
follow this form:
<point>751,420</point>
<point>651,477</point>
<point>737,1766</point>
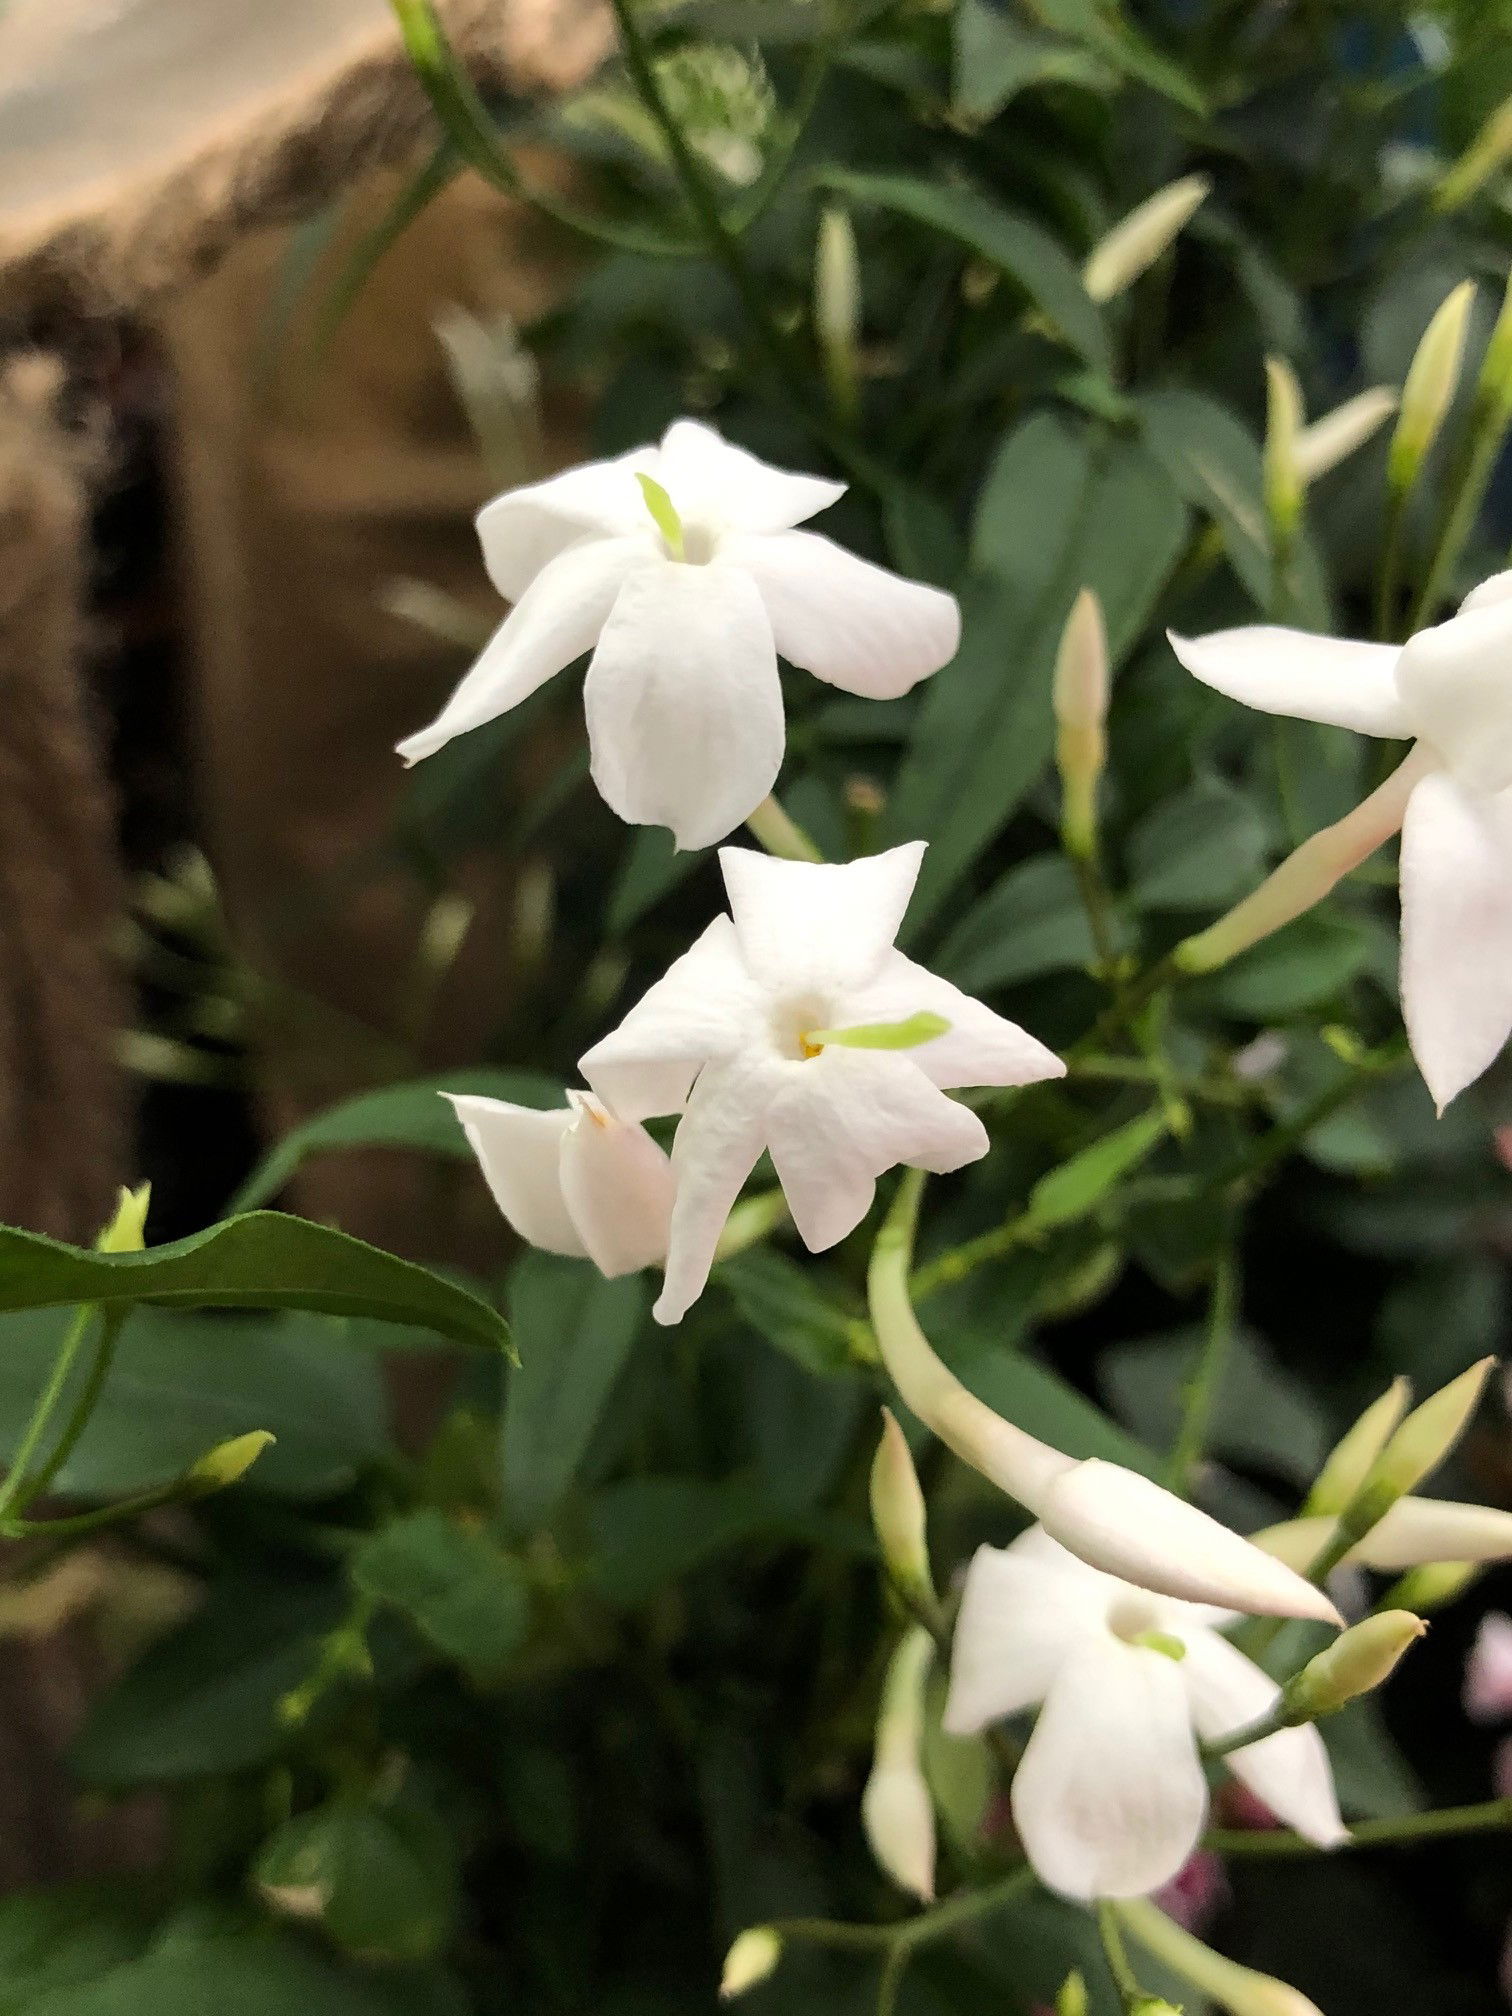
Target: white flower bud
<point>1428,1434</point>
<point>1284,486</point>
<point>1349,1462</point>
<point>898,1514</point>
<point>896,1808</point>
<point>1137,241</point>
<point>1432,380</point>
<point>1239,1990</point>
<point>1335,436</point>
<point>752,1957</point>
<point>837,305</point>
<point>1080,696</point>
<point>1357,1662</point>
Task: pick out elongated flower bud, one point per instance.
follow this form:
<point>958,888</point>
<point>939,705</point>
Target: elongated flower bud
<point>898,1515</point>
<point>1072,1999</point>
<point>227,1463</point>
<point>1432,380</point>
<point>1305,877</point>
<point>1436,1584</point>
<point>127,1230</point>
<point>896,1808</point>
<point>1493,389</point>
<point>1349,1462</point>
<point>837,305</point>
<point>1428,1434</point>
<point>1334,437</point>
<point>1410,1533</point>
<point>1239,1990</point>
<point>1080,696</point>
<point>1357,1662</point>
<point>1488,151</point>
<point>753,1956</point>
<point>1284,486</point>
<point>1137,241</point>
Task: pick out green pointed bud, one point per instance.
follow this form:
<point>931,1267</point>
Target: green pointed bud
<point>898,1514</point>
<point>1432,380</point>
<point>750,1960</point>
<point>1428,1434</point>
<point>1137,241</point>
<point>1434,1585</point>
<point>1357,1662</point>
<point>905,1035</point>
<point>1488,152</point>
<point>227,1463</point>
<point>127,1230</point>
<point>837,307</point>
<point>1072,1999</point>
<point>1334,437</point>
<point>664,514</point>
<point>1349,1462</point>
<point>1493,390</point>
<point>1080,697</point>
<point>1284,487</point>
<point>1239,1990</point>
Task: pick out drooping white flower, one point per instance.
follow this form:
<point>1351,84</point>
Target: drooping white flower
<point>1110,1797</point>
<point>574,1179</point>
<point>739,1031</point>
<point>685,588</point>
<point>1449,689</point>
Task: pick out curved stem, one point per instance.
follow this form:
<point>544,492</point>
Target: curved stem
<point>1202,1388</point>
<point>1494,1816</point>
<point>89,1395</point>
<point>18,1490</point>
<point>780,834</point>
<point>910,1933</point>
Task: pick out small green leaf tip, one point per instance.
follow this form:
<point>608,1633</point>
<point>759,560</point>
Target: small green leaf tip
<point>664,511</point>
<point>228,1462</point>
<point>905,1035</point>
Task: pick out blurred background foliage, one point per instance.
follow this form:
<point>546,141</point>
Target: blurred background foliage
<point>539,1715</point>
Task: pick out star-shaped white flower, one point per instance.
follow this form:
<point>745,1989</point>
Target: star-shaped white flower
<point>1110,1797</point>
<point>685,613</point>
<point>574,1179</point>
<point>729,1033</point>
<point>1449,689</point>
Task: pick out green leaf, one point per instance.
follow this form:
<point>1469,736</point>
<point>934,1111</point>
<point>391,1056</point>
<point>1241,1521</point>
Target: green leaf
<point>263,1261</point>
<point>182,1383</point>
<point>1102,28</point>
<point>579,1330</point>
<point>246,1975</point>
<point>1215,463</point>
<point>1030,923</point>
<point>1078,1185</point>
<point>781,1301</point>
<point>412,1115</point>
<point>380,1880</point>
<point>455,1585</point>
<point>1022,249</point>
<point>1261,1415</point>
<point>1197,851</point>
<point>1374,1779</point>
<point>1301,967</point>
<point>57,1939</point>
<point>995,57</point>
<point>649,1531</point>
<point>206,1698</point>
<point>653,867</point>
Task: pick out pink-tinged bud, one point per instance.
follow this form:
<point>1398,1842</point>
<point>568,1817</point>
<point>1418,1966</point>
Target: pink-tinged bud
<point>897,1811</point>
<point>752,1957</point>
<point>898,1513</point>
<point>1307,876</point>
<point>1238,1990</point>
<point>1488,1672</point>
<point>1432,380</point>
<point>1349,1461</point>
<point>1080,698</point>
<point>1334,437</point>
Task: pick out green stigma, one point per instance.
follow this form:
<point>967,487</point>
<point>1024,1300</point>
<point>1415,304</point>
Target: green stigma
<point>664,511</point>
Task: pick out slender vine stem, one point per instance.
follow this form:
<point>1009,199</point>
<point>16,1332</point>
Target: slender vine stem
<point>914,1932</point>
<point>19,1488</point>
<point>780,834</point>
<point>111,1324</point>
<point>1202,1388</point>
<point>1130,1994</point>
<point>1494,1816</point>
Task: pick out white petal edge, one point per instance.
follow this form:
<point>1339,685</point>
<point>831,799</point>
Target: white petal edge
<point>618,1187</point>
<point>1109,1798</point>
<point>519,1151</point>
<point>700,1011</point>
<point>1453,683</point>
<point>839,1120</point>
<point>1279,671</point>
<point>1021,1614</point>
<point>684,703</point>
<point>557,619</point>
<point>1456,874</point>
<point>818,925</point>
<point>857,626</point>
<point>712,481</point>
<point>979,1048</point>
<point>525,529</point>
<point>1289,1771</point>
<point>719,1141</point>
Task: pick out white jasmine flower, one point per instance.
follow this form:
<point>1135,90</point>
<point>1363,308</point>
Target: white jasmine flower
<point>575,1179</point>
<point>1110,1798</point>
<point>685,586</point>
<point>1450,689</point>
<point>747,1032</point>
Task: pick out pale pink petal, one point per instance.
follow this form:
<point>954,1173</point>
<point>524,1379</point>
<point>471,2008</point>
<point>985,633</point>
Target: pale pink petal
<point>1456,876</point>
<point>1279,671</point>
<point>805,924</point>
<point>519,1152</point>
<point>703,1008</point>
<point>719,1141</point>
<point>860,627</point>
<point>524,530</point>
<point>1109,1799</point>
<point>839,1120</point>
<point>1022,1611</point>
<point>1288,1770</point>
<point>1488,1672</point>
<point>684,703</point>
<point>979,1048</point>
<point>618,1186</point>
<point>557,619</point>
<point>714,483</point>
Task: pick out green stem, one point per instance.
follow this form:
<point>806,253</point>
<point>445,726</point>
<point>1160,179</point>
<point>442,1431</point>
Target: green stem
<point>780,834</point>
<point>18,1491</point>
<point>914,1932</point>
<point>89,1394</point>
<point>958,1261</point>
<point>1389,588</point>
<point>1469,494</point>
<point>1202,1388</point>
<point>1493,1817</point>
<point>1125,1980</point>
<point>1093,891</point>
